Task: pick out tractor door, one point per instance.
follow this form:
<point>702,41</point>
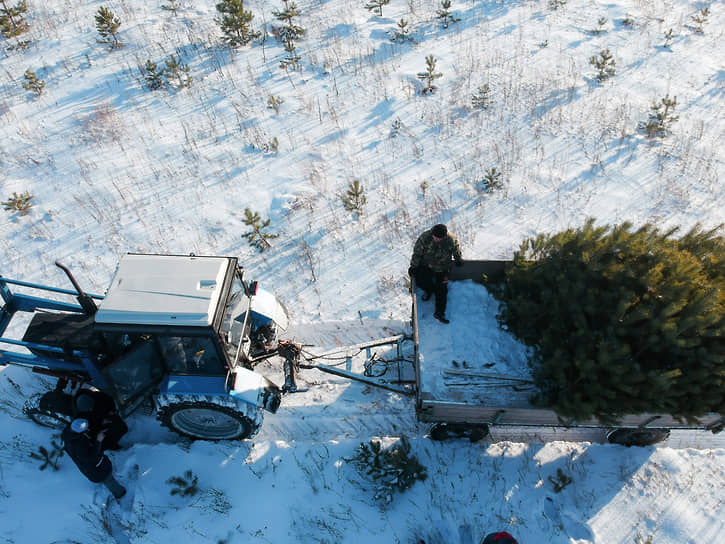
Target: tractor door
<point>193,355</point>
<point>135,372</point>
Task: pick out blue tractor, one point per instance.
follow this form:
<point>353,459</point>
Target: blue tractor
<point>183,332</point>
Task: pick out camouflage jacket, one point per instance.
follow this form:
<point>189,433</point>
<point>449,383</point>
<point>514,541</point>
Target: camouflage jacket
<point>437,256</point>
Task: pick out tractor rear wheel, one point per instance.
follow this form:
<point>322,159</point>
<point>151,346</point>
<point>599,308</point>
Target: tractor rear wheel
<point>202,420</point>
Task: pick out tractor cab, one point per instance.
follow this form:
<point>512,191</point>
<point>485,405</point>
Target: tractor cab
<point>183,330</point>
<point>182,324</point>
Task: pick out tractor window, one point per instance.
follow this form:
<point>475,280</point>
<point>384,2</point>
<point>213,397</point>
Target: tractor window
<point>194,355</point>
<point>135,372</point>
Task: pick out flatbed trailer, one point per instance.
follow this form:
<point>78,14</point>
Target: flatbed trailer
<point>465,389</point>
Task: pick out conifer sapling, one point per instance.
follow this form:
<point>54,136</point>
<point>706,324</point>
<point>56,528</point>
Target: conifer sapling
<point>12,22</point>
<point>178,70</point>
<point>377,6</point>
<point>492,180</point>
<point>184,486</point>
<point>661,117</point>
<point>481,99</point>
<point>19,202</point>
<point>257,237</point>
<point>604,64</point>
<point>700,18</point>
<point>32,83</point>
<point>669,35</point>
<point>445,15</point>
<point>354,199</point>
<point>290,29</point>
<point>107,25</point>
<point>235,23</point>
<point>401,33</point>
<point>392,469</point>
<point>153,76</point>
<point>172,5</point>
<point>430,75</point>
<point>292,60</point>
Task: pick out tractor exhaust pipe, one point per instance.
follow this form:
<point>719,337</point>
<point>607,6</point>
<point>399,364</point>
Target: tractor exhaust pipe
<point>86,302</point>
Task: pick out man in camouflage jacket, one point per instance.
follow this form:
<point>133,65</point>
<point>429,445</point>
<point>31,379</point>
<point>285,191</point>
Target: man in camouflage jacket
<point>433,253</point>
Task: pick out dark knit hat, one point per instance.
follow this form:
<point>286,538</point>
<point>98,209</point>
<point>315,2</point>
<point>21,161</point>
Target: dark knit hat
<point>440,230</point>
<point>84,403</point>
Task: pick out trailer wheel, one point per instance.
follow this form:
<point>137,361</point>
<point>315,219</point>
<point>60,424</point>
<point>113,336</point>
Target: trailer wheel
<point>444,431</point>
<point>203,420</point>
<point>637,437</point>
<point>51,409</point>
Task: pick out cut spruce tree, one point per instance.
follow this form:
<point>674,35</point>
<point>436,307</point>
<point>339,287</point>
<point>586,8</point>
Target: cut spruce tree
<point>621,321</point>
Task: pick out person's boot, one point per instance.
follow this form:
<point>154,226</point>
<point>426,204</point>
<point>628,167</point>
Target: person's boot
<point>116,489</point>
<point>440,317</point>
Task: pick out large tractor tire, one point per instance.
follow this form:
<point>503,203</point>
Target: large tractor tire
<point>204,420</point>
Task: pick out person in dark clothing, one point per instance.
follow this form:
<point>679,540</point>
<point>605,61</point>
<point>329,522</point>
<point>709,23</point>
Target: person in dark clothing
<point>434,252</point>
<point>499,538</point>
<point>100,411</point>
<point>85,449</point>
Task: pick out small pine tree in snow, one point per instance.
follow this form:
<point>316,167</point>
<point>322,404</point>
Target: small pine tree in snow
<point>235,23</point>
<point>32,83</point>
<point>377,6</point>
<point>178,71</point>
<point>272,146</point>
<point>661,117</point>
<point>49,457</point>
<point>107,25</point>
<point>628,21</point>
<point>258,237</point>
<point>561,481</point>
<point>604,64</point>
<point>172,5</point>
<point>492,181</point>
<point>669,36</point>
<point>430,75</point>
<point>12,22</point>
<point>482,99</point>
<point>600,26</point>
<point>445,15</point>
<point>396,127</point>
<point>184,486</point>
<point>19,203</point>
<point>556,4</point>
<point>393,469</point>
<point>153,76</point>
<point>290,30</point>
<point>401,33</point>
<point>292,60</point>
<point>700,18</point>
<point>354,199</point>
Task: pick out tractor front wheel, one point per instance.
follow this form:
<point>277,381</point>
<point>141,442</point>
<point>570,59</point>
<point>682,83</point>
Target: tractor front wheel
<point>52,409</point>
<point>203,420</point>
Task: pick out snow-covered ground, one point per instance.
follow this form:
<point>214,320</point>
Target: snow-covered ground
<point>114,167</point>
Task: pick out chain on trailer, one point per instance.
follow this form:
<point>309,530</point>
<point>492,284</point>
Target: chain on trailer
<point>393,374</point>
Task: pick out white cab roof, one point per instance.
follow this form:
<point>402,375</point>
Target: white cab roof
<point>164,290</point>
